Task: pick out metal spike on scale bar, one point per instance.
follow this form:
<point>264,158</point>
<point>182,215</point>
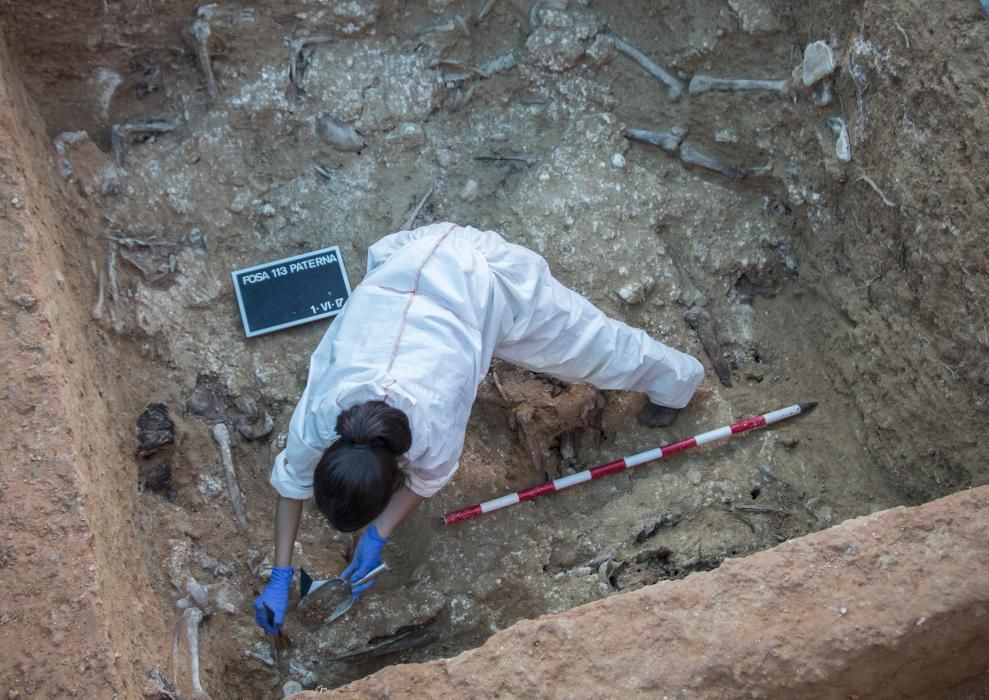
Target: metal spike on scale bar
<point>629,462</point>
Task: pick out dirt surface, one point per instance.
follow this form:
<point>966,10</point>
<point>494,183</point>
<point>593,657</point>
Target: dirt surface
<point>825,616</point>
<point>859,284</point>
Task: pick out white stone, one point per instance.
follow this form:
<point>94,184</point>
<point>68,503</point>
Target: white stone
<point>268,210</point>
<point>291,688</point>
<point>818,63</point>
<point>726,136</point>
<point>618,161</point>
<point>469,191</point>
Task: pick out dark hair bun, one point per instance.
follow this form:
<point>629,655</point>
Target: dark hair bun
<point>377,425</point>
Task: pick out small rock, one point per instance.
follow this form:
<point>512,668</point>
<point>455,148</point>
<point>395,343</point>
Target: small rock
<point>25,301</point>
<point>209,486</point>
<point>563,558</point>
<point>339,134</point>
<point>469,191</point>
<point>636,292</point>
<point>110,180</point>
<point>17,202</point>
<point>408,135</point>
<point>843,144</point>
<point>694,476</point>
<point>618,161</point>
<point>726,136</point>
<point>239,202</point>
<point>268,210</point>
<point>818,63</point>
<point>291,688</point>
<point>445,157</point>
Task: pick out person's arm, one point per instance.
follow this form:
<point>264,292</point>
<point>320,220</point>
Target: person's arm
<point>271,605</point>
<point>402,502</point>
<point>288,513</point>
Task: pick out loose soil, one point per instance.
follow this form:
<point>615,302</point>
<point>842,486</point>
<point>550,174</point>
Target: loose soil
<point>859,285</point>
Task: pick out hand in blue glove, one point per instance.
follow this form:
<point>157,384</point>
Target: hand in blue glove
<point>366,557</point>
<point>269,607</point>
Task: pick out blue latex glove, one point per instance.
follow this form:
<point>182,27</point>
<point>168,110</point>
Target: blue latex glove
<point>366,557</point>
<point>269,607</point>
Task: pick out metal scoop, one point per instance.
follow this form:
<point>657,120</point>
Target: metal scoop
<point>327,600</point>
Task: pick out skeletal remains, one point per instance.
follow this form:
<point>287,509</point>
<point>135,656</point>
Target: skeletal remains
<point>120,135</point>
<point>673,85</point>
<point>192,607</point>
<point>193,617</point>
<point>700,320</point>
<point>701,83</point>
<point>672,142</point>
<point>222,437</point>
<point>198,34</point>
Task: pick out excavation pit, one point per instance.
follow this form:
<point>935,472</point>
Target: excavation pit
<point>132,186</point>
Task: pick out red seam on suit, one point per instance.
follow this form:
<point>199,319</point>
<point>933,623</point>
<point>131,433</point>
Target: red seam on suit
<point>412,295</point>
<point>405,312</point>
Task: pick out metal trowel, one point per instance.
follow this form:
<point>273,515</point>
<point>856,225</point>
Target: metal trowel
<point>323,601</point>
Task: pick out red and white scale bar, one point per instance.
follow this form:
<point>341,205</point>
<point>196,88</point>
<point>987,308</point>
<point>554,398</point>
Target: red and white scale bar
<point>628,462</point>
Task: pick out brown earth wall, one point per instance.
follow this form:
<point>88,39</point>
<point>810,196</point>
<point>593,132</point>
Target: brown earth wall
<point>72,566</point>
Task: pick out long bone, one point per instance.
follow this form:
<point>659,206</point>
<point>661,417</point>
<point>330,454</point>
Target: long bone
<point>692,156</point>
<point>705,83</point>
<point>669,141</point>
<point>199,33</point>
<point>97,313</point>
<point>672,142</point>
<point>674,86</point>
<point>120,135</point>
<point>700,320</point>
<point>222,437</point>
<point>193,618</point>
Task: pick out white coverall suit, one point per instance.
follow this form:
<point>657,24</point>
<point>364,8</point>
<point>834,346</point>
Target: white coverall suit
<point>420,331</point>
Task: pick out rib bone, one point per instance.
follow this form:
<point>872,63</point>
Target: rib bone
<point>222,437</point>
<point>706,83</point>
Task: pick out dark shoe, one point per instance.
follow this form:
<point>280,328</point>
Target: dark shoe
<point>656,416</point>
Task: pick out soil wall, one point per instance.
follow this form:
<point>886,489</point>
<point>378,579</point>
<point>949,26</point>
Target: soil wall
<point>73,612</point>
<point>902,254</point>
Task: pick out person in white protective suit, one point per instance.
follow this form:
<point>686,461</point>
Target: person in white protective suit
<point>381,423</point>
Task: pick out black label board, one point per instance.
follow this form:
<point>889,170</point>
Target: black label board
<point>291,291</point>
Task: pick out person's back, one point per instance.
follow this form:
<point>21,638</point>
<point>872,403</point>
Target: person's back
<point>418,333</point>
